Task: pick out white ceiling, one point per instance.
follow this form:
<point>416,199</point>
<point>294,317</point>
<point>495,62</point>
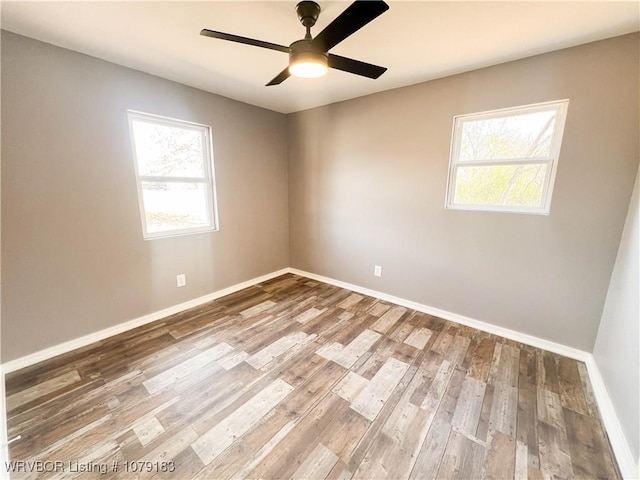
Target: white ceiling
<point>417,41</point>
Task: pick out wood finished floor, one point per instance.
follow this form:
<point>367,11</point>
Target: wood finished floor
<point>293,378</point>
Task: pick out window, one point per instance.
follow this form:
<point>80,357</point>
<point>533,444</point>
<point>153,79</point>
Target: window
<point>174,170</point>
<point>506,160</point>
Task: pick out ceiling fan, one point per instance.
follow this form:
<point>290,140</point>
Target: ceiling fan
<point>310,57</point>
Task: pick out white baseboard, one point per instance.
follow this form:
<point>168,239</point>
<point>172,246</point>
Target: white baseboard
<point>85,340</point>
<point>627,464</point>
<point>454,317</point>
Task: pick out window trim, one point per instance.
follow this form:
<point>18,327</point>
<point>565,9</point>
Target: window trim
<point>208,179</point>
<point>560,106</point>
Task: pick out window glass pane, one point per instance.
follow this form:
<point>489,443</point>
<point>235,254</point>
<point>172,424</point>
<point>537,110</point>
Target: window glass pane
<point>517,136</point>
<point>508,185</point>
<point>175,205</point>
<point>163,150</point>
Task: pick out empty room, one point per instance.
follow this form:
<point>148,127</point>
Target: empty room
<point>320,240</point>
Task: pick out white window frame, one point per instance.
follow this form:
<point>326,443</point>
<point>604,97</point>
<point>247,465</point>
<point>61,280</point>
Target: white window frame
<point>560,107</point>
<point>208,180</point>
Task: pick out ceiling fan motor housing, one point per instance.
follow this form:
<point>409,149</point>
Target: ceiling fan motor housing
<point>308,13</point>
<point>303,49</point>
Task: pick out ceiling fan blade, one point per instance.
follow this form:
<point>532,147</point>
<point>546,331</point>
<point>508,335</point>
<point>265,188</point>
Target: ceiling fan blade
<point>281,77</point>
<point>356,16</point>
<point>248,41</point>
<point>355,66</point>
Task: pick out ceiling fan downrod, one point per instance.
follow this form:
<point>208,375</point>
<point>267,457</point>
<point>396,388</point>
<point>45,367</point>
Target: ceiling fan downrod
<point>308,13</point>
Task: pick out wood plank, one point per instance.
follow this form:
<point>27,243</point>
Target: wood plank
<point>94,456</point>
<point>373,397</point>
<point>555,456</point>
<point>350,301</point>
<point>220,437</point>
<point>427,371</point>
<point>407,432</point>
<point>235,458</point>
<point>53,443</point>
<point>186,462</point>
<point>232,359</point>
<point>339,472</point>
<point>442,343</point>
<point>419,337</point>
<point>438,386</point>
<point>587,390</point>
<point>40,390</point>
<point>330,350</point>
<point>168,377</point>
<point>591,456</point>
<point>375,359</point>
<point>428,461</point>
<point>350,386</point>
<point>442,398</point>
<point>547,369</point>
<point>485,414</point>
<point>504,409</point>
<point>527,377</point>
<point>371,467</point>
<point>404,328</point>
<point>462,458</point>
<point>469,406</point>
<point>287,456</point>
<point>481,360</point>
<point>148,429</point>
<point>316,386</point>
<point>310,314</point>
<point>522,461</point>
<point>550,408</point>
<point>277,348</point>
<point>506,365</point>
<point>570,386</point>
<point>255,460</point>
<point>499,462</point>
<point>350,354</point>
<point>317,465</point>
<point>527,430</point>
<point>458,350</point>
<point>256,309</point>
<point>373,434</point>
<point>343,435</point>
<point>300,368</point>
<point>168,450</point>
<point>386,321</point>
<point>378,309</point>
<point>406,428</point>
<point>206,406</point>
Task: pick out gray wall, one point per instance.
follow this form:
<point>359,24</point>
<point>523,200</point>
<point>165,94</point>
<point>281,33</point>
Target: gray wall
<point>367,181</point>
<point>617,349</point>
<point>74,260</point>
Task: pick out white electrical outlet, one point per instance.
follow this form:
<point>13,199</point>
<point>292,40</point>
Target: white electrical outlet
<point>181,280</point>
<point>377,271</point>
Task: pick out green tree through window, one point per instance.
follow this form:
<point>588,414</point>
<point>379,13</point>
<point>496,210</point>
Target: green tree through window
<point>505,160</point>
<point>174,171</point>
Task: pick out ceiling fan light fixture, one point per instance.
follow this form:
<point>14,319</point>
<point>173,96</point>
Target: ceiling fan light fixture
<point>309,57</point>
<point>308,64</point>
